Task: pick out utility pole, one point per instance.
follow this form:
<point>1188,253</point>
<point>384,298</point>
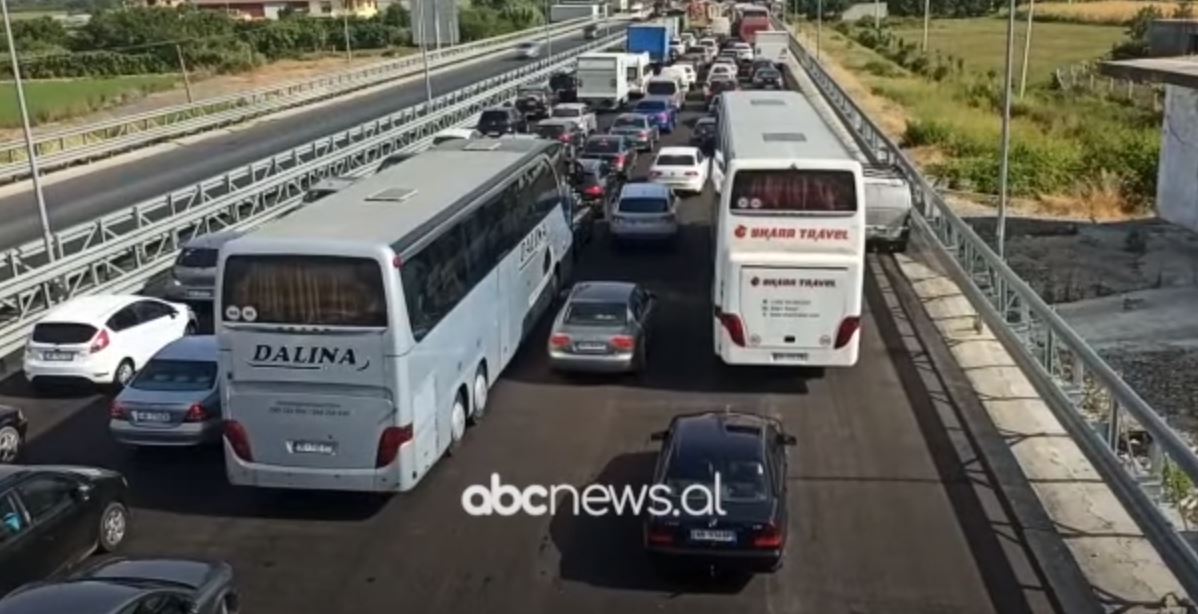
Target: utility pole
<point>1004,169</point>
<point>29,146</point>
<point>437,22</point>
<point>548,39</point>
<point>1027,48</point>
<point>183,71</point>
<point>428,79</point>
<point>349,54</point>
<point>927,20</point>
<point>877,14</point>
<point>819,25</point>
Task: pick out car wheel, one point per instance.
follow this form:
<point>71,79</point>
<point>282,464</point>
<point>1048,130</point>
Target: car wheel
<point>114,527</point>
<point>478,408</point>
<point>10,445</point>
<point>457,424</point>
<point>124,374</point>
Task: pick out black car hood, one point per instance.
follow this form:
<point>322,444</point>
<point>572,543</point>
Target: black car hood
<point>175,571</point>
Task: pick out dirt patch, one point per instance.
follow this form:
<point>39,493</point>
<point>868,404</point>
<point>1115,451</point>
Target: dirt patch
<point>212,86</point>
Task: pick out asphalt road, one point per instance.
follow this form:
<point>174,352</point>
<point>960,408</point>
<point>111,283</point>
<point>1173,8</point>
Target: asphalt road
<point>86,197</point>
<point>882,514</point>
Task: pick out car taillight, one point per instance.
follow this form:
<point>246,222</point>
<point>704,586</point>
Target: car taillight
<point>565,138</point>
<point>769,538</point>
<point>624,343</point>
<point>595,190</point>
<point>195,413</point>
<point>659,536</point>
<point>644,133</point>
<point>619,161</point>
<point>239,440</point>
<point>389,442</point>
<point>848,327</point>
<point>559,341</point>
<point>732,323</point>
<point>116,411</point>
<point>665,117</point>
<point>100,342</point>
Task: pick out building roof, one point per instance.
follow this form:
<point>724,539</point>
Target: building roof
<point>1181,71</point>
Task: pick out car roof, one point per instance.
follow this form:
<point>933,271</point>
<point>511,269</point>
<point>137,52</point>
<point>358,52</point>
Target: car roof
<point>93,309</point>
<point>645,190</point>
<point>640,116</point>
<point>212,239</point>
<point>677,151</point>
<point>189,347</point>
<point>72,596</point>
<point>602,291</point>
<point>598,138</point>
<point>168,571</point>
<point>723,430</point>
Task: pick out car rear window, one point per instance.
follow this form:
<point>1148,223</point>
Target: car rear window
<point>644,205</point>
<point>550,131</point>
<point>768,74</point>
<point>742,477</point>
<point>493,117</point>
<point>629,122</point>
<point>61,332</point>
<point>675,160</point>
<point>567,112</point>
<point>653,106</point>
<point>793,191</point>
<point>662,88</point>
<point>198,257</point>
<point>596,313</point>
<point>603,146</point>
<point>176,375</point>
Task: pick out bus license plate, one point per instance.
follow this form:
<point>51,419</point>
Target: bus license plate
<point>151,416</point>
<point>790,356</point>
<point>314,447</point>
<point>706,535</point>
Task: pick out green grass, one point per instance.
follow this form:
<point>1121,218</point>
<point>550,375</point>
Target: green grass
<point>18,15</point>
<point>53,100</point>
<point>982,43</point>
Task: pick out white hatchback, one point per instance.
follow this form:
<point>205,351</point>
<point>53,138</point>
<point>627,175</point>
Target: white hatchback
<point>721,70</point>
<point>102,339</point>
<point>682,168</point>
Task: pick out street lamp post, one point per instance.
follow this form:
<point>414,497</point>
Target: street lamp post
<point>819,25</point>
<point>1027,48</point>
<point>349,54</point>
<point>927,20</point>
<point>428,80</point>
<point>29,146</point>
<point>548,39</point>
<point>1004,169</point>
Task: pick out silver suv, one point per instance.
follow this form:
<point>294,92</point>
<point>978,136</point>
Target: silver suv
<point>193,278</point>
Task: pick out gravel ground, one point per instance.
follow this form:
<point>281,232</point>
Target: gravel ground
<point>1166,379</point>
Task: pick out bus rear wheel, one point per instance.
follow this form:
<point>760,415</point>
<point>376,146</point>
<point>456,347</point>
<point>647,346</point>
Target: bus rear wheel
<point>478,408</point>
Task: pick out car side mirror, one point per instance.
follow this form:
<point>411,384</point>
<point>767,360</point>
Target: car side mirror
<point>787,440</point>
<point>84,492</point>
<point>659,436</point>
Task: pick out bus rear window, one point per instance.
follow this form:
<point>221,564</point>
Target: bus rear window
<point>793,191</point>
<point>305,290</point>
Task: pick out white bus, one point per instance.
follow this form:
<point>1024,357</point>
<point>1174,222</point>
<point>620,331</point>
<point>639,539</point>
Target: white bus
<point>789,234</point>
<point>359,335</point>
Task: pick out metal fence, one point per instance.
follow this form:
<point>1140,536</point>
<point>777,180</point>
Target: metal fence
<point>1094,404</point>
<point>1084,77</point>
<point>122,250</point>
<point>63,148</point>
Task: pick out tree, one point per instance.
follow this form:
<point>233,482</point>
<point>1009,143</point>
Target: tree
<point>397,16</point>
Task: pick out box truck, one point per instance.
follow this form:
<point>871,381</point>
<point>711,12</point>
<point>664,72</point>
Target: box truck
<point>773,45</point>
<point>653,39</point>
<point>603,80</point>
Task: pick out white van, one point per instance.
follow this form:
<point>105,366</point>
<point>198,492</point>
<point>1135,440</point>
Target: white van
<point>667,86</point>
<point>680,73</point>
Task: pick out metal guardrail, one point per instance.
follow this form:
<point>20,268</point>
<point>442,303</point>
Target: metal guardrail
<point>63,148</point>
<point>1093,403</point>
<point>122,250</point>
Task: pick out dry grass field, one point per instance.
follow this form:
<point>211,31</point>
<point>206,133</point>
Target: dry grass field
<point>1106,12</point>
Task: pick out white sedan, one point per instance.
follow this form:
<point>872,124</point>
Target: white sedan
<point>103,339</point>
<point>722,71</point>
<point>579,112</point>
<point>682,168</point>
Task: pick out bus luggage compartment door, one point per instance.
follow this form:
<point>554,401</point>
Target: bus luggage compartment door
<point>793,307</point>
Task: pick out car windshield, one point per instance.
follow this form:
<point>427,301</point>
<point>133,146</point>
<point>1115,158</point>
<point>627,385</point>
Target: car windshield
<point>644,205</point>
<point>596,313</point>
<point>602,146</point>
<point>176,375</point>
<point>567,112</point>
<point>493,117</point>
<point>629,122</point>
<point>198,257</point>
<point>675,160</point>
<point>742,477</point>
<point>768,74</point>
<point>651,106</point>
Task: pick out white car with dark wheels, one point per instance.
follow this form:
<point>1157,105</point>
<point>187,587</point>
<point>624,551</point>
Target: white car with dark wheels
<point>580,112</point>
<point>102,339</point>
<point>682,168</point>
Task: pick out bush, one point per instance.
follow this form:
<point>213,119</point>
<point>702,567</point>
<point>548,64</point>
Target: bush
<point>931,132</point>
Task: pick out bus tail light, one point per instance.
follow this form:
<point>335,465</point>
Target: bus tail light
<point>116,411</point>
<point>768,538</point>
<point>239,440</point>
<point>559,341</point>
<point>848,327</point>
<point>389,442</point>
<point>623,343</point>
<point>733,324</point>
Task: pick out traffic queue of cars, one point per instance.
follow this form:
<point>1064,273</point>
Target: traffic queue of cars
<point>166,384</point>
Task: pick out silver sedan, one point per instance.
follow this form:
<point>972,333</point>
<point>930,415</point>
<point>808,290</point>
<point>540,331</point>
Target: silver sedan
<point>174,400</point>
<point>603,327</point>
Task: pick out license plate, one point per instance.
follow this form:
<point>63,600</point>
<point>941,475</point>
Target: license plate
<point>313,447</point>
<point>592,347</point>
<point>790,356</point>
<point>151,416</point>
<point>199,294</point>
<point>58,355</point>
<point>708,535</point>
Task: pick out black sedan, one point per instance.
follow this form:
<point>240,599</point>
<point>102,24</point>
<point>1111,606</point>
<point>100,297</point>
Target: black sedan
<point>725,474</point>
<point>121,586</point>
<point>51,518</point>
<point>12,434</point>
<point>768,79</point>
<point>597,185</point>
